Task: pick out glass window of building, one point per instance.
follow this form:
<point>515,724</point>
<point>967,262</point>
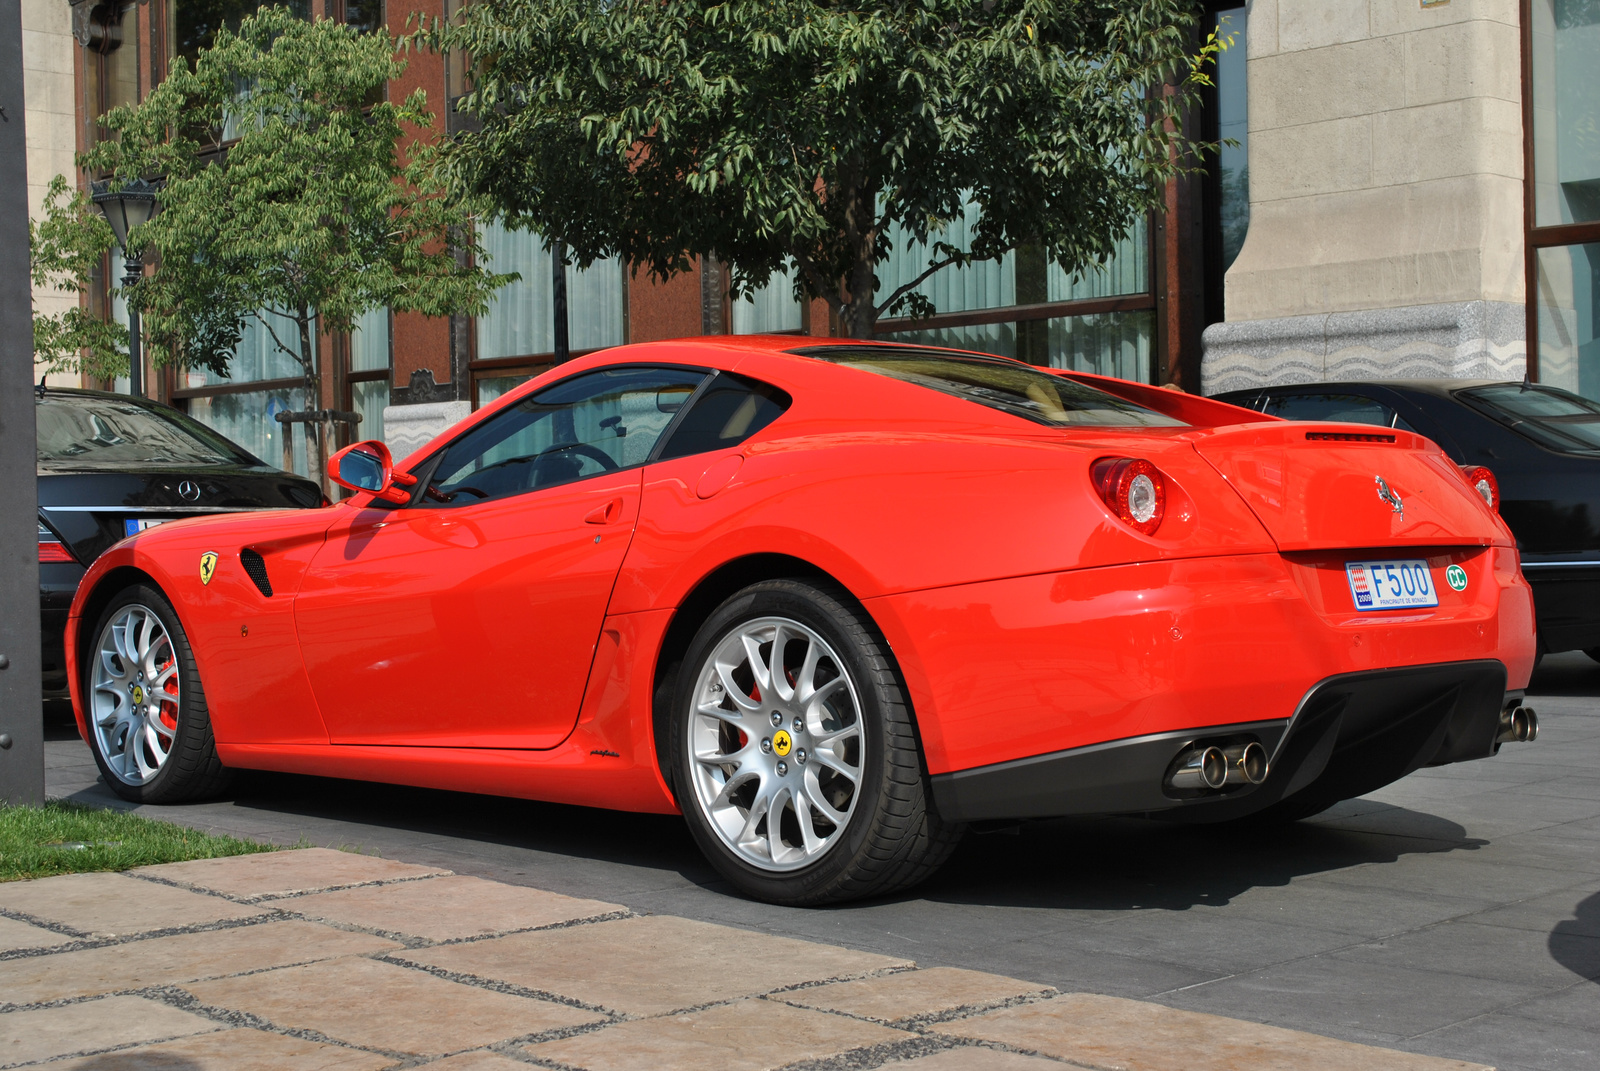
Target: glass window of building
<point>368,374</point>
<point>111,64</point>
<point>772,309</point>
<point>516,337</point>
<point>1233,160</point>
<point>1562,117</point>
<point>193,24</point>
<point>1098,320</point>
<point>1566,110</point>
<point>264,381</point>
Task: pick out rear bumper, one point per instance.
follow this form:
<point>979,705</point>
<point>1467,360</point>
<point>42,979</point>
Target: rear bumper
<point>1351,734</point>
<point>1013,669</point>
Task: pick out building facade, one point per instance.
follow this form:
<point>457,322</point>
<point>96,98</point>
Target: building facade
<point>1403,188</point>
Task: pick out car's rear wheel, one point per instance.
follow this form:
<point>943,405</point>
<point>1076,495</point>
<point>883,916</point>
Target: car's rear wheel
<point>794,754</point>
<point>149,727</point>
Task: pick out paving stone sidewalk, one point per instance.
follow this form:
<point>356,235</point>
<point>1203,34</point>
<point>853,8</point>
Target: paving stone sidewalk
<point>319,960</point>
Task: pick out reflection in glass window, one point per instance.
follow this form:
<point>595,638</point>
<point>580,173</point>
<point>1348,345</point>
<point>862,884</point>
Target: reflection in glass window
<point>1350,408</point>
<point>520,320</point>
<point>1004,385</point>
<point>89,432</point>
<point>1233,161</point>
<point>580,427</point>
<point>1554,418</point>
<point>1566,110</point>
<point>1568,299</point>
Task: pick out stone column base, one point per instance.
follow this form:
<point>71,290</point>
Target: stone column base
<point>408,428</point>
<point>1462,340</point>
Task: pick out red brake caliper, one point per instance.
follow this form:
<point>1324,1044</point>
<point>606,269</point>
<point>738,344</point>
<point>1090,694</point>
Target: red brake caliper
<point>169,701</point>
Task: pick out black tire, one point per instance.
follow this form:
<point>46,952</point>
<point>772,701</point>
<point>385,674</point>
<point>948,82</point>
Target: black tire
<point>893,839</point>
<point>191,769</point>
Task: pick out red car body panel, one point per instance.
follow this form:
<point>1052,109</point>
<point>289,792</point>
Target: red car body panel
<point>511,646</point>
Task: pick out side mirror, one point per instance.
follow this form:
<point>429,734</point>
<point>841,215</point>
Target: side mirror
<point>368,466</point>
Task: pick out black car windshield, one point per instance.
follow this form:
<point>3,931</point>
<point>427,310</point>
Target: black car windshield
<point>1552,417</point>
<point>999,384</point>
<point>85,431</point>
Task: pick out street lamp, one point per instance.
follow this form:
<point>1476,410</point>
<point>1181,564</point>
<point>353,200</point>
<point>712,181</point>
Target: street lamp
<point>126,210</point>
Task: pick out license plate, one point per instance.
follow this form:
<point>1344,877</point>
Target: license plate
<point>133,525</point>
<point>1391,585</point>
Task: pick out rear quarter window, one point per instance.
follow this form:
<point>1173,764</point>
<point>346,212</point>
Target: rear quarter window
<point>729,411</point>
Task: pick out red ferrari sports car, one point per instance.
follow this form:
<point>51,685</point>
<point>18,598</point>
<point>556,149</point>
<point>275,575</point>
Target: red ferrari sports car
<point>832,601</point>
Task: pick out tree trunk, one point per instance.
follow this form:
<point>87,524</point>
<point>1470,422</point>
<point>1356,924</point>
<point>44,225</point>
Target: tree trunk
<point>316,460</point>
<point>859,315</point>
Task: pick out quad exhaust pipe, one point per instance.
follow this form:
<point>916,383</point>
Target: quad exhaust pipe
<point>1518,725</point>
<point>1212,767</point>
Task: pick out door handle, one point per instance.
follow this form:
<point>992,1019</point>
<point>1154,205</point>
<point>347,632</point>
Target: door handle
<point>604,514</point>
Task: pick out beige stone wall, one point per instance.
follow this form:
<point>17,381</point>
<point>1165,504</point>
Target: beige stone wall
<point>47,47</point>
<point>1385,157</point>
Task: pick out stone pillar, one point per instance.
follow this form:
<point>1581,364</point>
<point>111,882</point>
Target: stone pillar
<point>48,95</point>
<point>1385,196</point>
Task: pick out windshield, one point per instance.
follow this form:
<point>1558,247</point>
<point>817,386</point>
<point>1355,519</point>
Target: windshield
<point>999,384</point>
<point>89,432</point>
<point>1552,417</point>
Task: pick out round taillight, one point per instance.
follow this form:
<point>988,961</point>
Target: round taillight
<point>1135,491</point>
<point>1483,482</point>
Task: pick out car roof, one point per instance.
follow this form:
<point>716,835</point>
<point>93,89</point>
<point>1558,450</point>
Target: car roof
<point>42,392</point>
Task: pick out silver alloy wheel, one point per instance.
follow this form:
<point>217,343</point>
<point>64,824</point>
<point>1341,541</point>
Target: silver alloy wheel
<point>775,743</point>
<point>133,695</point>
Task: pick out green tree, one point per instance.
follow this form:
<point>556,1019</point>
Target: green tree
<point>799,134</point>
<point>64,249</point>
<point>310,215</point>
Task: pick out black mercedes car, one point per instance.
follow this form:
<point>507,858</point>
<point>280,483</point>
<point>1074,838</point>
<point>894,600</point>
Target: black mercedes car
<point>111,465</point>
<point>1541,447</point>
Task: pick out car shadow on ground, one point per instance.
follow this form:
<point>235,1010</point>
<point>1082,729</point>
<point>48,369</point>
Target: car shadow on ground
<point>1575,942</point>
<point>1568,673</point>
<point>1115,864</point>
<point>1096,864</point>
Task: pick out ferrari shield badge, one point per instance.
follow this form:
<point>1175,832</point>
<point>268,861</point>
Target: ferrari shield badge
<point>208,566</point>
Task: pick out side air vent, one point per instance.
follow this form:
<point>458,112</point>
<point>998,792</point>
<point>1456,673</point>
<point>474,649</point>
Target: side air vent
<point>1347,437</point>
<point>256,567</point>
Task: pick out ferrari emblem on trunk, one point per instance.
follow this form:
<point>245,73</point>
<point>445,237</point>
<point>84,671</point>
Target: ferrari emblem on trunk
<point>208,566</point>
<point>1390,497</point>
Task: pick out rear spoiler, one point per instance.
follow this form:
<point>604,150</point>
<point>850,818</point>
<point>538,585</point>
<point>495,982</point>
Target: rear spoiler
<point>1189,408</point>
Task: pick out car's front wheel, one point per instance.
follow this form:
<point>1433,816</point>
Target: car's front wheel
<point>794,754</point>
<point>149,727</point>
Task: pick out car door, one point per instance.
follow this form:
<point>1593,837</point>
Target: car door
<point>468,617</point>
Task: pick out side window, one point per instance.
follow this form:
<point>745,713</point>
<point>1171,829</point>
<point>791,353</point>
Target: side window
<point>730,411</point>
<point>1350,408</point>
<point>593,423</point>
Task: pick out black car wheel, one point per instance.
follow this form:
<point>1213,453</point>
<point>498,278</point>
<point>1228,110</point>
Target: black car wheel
<point>148,724</point>
<point>794,754</point>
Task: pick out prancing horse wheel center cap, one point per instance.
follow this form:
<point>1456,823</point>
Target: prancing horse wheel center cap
<point>782,744</point>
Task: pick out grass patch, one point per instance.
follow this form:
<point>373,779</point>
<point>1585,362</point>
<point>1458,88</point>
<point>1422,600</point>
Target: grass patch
<point>69,838</point>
